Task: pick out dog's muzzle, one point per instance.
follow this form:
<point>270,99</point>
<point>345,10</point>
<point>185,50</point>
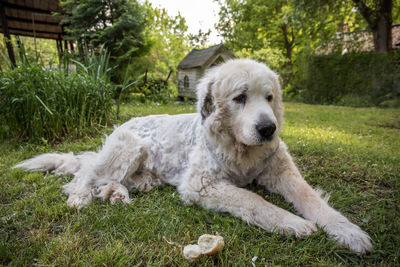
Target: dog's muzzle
<point>266,129</point>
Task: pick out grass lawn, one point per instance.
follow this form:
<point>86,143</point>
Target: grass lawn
<point>352,153</point>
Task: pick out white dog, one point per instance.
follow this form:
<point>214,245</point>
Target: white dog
<point>209,156</point>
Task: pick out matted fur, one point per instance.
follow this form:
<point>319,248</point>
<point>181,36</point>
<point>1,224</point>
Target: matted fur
<point>209,156</point>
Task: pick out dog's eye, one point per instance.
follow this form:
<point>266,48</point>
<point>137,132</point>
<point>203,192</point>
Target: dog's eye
<point>269,98</point>
<point>240,99</point>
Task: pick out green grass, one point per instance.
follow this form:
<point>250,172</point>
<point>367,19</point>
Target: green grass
<point>352,153</point>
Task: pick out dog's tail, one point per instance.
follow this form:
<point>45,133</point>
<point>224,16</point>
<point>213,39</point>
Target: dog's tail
<point>58,163</point>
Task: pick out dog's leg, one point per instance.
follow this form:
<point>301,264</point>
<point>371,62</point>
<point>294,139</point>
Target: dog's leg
<point>119,192</point>
<point>118,161</point>
<point>121,156</point>
<point>102,176</point>
<point>283,177</point>
<point>78,191</point>
<point>225,197</point>
<point>143,181</point>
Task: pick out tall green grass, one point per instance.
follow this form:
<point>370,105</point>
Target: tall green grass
<point>45,103</point>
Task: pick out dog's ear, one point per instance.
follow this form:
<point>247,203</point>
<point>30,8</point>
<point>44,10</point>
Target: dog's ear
<point>205,99</point>
<point>207,106</point>
<point>278,104</point>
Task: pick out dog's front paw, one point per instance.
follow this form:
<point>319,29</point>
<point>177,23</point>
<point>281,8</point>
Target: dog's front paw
<point>350,235</point>
<point>78,201</point>
<point>296,225</point>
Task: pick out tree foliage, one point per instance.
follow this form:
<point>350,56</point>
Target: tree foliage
<point>200,39</point>
<point>168,38</point>
<point>376,15</point>
<point>156,70</point>
<point>286,35</point>
<point>284,25</point>
<point>118,24</point>
<point>276,32</point>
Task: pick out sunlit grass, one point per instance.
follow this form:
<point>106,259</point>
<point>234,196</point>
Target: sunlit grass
<point>367,133</point>
<point>353,154</point>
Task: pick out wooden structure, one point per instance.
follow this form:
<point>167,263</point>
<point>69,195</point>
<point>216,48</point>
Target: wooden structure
<point>357,41</point>
<point>32,18</point>
<point>192,67</point>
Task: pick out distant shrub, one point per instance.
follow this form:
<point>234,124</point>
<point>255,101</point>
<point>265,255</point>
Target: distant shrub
<point>154,89</point>
<point>39,103</point>
<point>358,79</point>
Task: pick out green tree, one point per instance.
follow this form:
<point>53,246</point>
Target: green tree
<point>116,24</point>
<point>282,25</point>
<point>169,42</point>
<point>276,32</point>
<point>378,15</point>
<point>200,39</point>
<point>155,71</point>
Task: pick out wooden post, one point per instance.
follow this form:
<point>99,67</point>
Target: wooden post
<point>71,45</point>
<point>61,44</point>
<point>34,36</point>
<point>65,41</point>
<point>7,34</point>
<point>60,48</point>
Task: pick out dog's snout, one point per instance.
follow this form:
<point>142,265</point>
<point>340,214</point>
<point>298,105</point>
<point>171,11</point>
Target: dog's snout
<point>266,129</point>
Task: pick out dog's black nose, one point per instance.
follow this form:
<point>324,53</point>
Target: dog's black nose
<point>266,129</point>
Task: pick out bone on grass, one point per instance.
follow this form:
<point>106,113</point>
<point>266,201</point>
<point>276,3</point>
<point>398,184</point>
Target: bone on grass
<point>207,244</point>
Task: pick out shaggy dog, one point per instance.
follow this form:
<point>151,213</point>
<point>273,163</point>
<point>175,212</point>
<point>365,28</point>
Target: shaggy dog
<point>209,156</point>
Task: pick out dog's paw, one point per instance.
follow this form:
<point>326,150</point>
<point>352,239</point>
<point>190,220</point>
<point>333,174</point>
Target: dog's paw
<point>78,201</point>
<point>115,192</point>
<point>350,235</point>
<point>297,226</point>
<point>119,197</point>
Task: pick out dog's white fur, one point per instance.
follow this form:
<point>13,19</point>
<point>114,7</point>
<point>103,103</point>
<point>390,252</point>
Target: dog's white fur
<point>209,156</point>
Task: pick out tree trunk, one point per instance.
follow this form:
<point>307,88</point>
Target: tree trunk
<point>169,75</point>
<point>383,37</point>
<point>380,22</point>
<point>287,43</point>
<point>382,31</point>
<point>145,76</point>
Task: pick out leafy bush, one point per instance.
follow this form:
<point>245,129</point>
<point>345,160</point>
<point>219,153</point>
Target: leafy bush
<point>154,89</point>
<point>40,103</point>
<point>358,79</point>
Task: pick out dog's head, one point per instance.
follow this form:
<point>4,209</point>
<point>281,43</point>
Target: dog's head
<point>241,99</point>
